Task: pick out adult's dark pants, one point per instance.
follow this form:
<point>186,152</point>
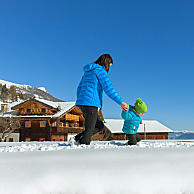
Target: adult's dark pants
<point>133,139</point>
<point>93,124</point>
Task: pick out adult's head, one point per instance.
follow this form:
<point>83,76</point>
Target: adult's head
<point>105,60</point>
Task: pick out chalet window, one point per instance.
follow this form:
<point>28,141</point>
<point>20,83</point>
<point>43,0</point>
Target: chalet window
<point>54,124</point>
<point>10,139</point>
<point>76,124</point>
<point>42,123</point>
<point>71,124</point>
<point>28,110</point>
<point>61,124</point>
<point>43,110</point>
<point>28,124</point>
<point>27,139</point>
<point>42,139</point>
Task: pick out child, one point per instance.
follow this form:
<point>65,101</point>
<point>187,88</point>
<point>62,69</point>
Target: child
<point>132,120</point>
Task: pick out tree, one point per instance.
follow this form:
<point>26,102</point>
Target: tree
<point>4,93</point>
<point>7,126</point>
<point>25,96</point>
<point>13,93</point>
<point>0,90</point>
<point>21,96</point>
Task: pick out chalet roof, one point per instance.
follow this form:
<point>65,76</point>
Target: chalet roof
<point>42,101</point>
<point>151,126</point>
<point>61,106</point>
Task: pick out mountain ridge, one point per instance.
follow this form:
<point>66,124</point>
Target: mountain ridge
<point>11,92</point>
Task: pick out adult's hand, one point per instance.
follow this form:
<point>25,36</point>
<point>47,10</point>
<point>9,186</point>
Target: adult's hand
<point>124,106</point>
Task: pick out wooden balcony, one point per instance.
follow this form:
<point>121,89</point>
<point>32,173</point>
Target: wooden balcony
<point>63,130</point>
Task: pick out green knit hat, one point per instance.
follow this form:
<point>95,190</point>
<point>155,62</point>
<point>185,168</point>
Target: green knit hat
<point>140,106</point>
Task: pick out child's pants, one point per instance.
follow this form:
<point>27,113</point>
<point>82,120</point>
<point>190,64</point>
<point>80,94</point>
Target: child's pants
<point>133,139</point>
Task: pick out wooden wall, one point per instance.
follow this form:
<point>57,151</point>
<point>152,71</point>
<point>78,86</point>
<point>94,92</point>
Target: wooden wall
<point>151,136</point>
<point>35,108</point>
<point>35,132</point>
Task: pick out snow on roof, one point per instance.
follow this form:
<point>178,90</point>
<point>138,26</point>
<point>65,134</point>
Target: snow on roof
<point>61,106</point>
<point>116,125</point>
<point>10,105</point>
<point>65,106</point>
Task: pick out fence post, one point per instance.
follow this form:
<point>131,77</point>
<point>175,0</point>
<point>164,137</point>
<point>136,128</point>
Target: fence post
<point>144,132</point>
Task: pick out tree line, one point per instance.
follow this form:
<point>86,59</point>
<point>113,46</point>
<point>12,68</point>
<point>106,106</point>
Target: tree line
<point>11,94</point>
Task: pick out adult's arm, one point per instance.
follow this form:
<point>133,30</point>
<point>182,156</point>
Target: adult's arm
<point>108,87</point>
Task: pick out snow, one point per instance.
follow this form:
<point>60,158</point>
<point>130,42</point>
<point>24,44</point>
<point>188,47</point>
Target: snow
<point>151,126</point>
<point>9,84</point>
<point>154,167</point>
<point>43,89</point>
<point>62,106</point>
<point>10,105</point>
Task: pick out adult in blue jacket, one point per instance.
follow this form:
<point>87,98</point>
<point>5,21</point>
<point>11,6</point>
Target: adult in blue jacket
<point>90,96</point>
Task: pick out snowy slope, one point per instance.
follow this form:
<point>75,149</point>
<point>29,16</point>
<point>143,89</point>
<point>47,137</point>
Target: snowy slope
<point>31,91</point>
<point>151,167</point>
<point>9,84</point>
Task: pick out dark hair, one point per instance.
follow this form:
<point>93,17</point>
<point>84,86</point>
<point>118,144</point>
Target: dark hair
<point>104,60</point>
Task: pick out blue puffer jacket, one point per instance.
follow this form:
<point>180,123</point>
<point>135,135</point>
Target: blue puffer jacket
<point>92,84</point>
<point>132,121</point>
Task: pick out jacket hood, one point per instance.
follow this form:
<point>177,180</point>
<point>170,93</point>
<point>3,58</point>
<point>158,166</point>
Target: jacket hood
<point>91,66</point>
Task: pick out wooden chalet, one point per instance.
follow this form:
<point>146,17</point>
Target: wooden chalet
<point>43,120</point>
<point>150,129</point>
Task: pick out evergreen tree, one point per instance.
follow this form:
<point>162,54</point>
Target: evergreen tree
<point>21,96</point>
<point>25,96</point>
<point>4,93</point>
<point>1,91</point>
<point>13,93</point>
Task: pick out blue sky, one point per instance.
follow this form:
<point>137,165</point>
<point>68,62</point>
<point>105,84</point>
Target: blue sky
<point>47,43</point>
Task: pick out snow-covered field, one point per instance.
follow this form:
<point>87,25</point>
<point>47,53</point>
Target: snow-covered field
<point>161,167</point>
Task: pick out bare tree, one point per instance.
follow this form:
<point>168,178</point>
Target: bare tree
<point>7,126</point>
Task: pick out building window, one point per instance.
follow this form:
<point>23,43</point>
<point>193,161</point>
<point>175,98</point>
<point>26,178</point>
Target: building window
<point>10,139</point>
<point>42,139</point>
<point>27,139</point>
<point>42,123</point>
<point>43,110</point>
<point>28,124</point>
<point>28,110</point>
<point>54,124</point>
<point>76,124</point>
<point>61,124</point>
<point>54,139</point>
